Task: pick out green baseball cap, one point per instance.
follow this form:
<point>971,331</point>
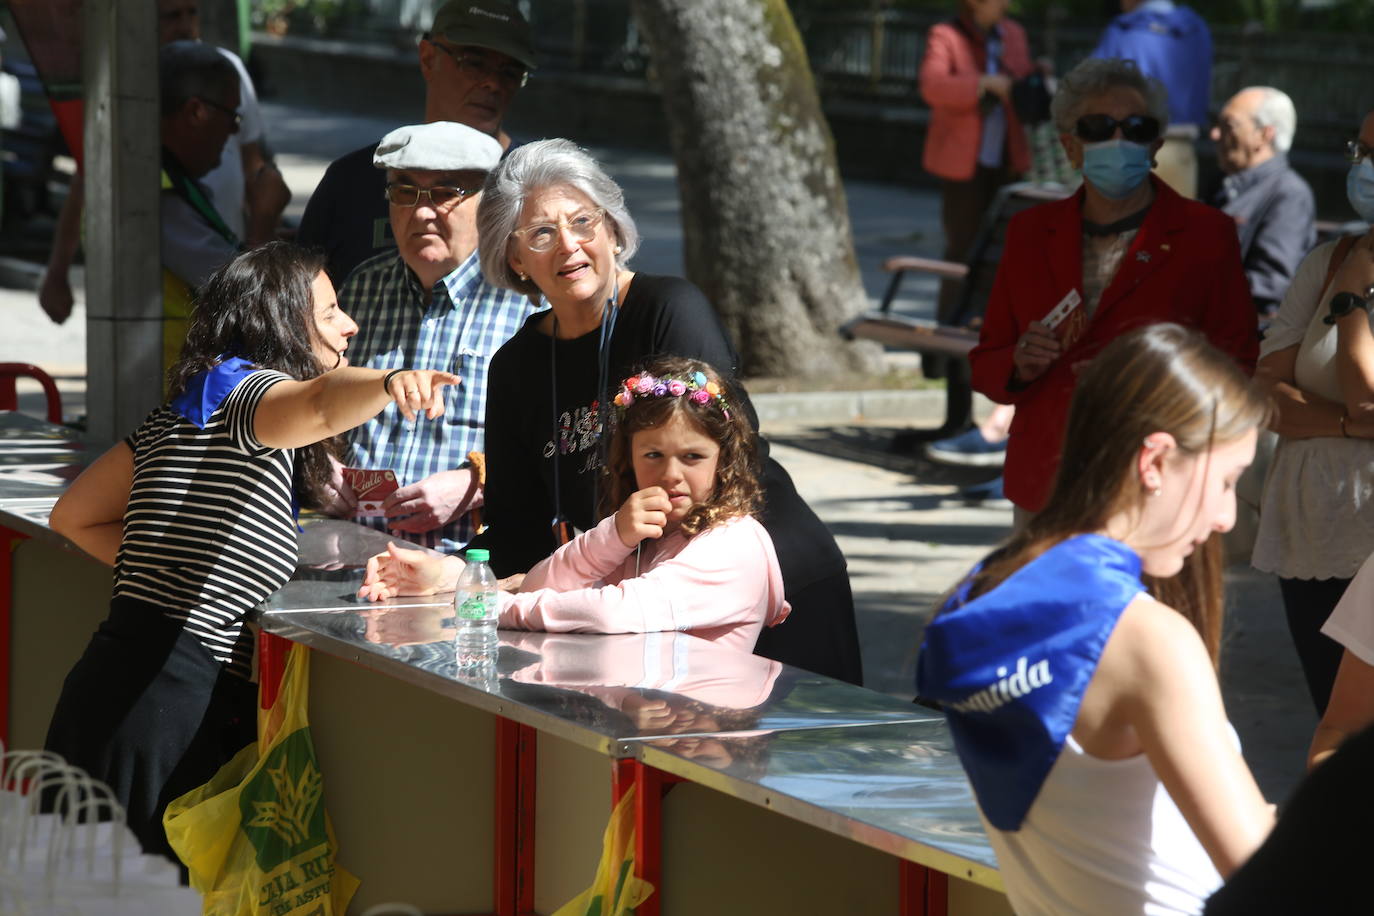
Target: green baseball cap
<point>492,24</point>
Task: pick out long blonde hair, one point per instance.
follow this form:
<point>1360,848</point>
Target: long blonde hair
<point>1161,378</point>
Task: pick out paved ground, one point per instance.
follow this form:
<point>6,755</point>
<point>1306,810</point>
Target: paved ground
<point>905,534</point>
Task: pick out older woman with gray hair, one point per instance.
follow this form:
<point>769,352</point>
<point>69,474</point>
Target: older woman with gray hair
<point>1124,251</point>
<point>553,225</point>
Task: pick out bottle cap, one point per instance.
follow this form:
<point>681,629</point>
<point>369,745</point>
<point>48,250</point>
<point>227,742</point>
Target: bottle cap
<point>478,555</point>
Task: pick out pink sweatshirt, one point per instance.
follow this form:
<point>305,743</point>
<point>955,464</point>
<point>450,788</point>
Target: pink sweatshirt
<point>722,585</point>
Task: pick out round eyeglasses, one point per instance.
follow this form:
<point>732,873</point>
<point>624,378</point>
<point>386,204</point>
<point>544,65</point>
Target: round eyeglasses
<point>440,196</point>
<point>543,236</point>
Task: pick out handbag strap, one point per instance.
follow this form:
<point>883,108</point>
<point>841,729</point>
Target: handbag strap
<point>1337,259</point>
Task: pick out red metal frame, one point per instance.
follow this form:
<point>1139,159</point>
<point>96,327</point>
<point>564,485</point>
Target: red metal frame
<point>9,540</point>
<point>922,891</point>
<point>650,786</point>
<point>271,666</point>
<point>516,750</point>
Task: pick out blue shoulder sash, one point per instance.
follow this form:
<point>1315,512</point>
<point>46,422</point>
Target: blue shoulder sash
<point>206,390</point>
<point>1010,666</point>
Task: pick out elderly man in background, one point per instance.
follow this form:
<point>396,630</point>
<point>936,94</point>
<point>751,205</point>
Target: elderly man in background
<point>200,99</point>
<point>1271,204</point>
<point>1171,43</point>
<point>474,59</point>
<point>246,188</point>
<point>426,305</point>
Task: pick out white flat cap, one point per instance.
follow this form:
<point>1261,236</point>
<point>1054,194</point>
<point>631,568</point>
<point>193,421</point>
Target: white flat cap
<point>443,146</point>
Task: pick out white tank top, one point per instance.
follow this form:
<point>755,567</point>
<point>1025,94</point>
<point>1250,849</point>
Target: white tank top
<point>1103,838</point>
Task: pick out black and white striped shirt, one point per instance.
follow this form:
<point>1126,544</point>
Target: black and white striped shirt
<point>209,531</point>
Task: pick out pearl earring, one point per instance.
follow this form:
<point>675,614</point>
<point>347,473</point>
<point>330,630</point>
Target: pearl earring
<point>524,278</point>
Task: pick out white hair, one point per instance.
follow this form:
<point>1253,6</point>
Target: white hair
<point>536,167</point>
<point>1097,75</point>
<point>1275,110</point>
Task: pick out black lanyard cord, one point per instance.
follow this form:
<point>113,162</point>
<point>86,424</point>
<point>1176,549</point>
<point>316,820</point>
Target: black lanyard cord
<point>562,527</point>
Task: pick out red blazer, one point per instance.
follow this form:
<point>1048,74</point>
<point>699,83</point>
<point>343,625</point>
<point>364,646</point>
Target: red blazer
<point>950,70</point>
<point>1183,266</point>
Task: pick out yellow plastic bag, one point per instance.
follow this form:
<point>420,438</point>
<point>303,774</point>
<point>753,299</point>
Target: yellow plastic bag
<point>616,891</point>
<point>256,837</point>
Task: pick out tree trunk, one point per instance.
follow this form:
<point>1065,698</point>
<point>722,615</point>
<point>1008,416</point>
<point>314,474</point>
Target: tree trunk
<point>765,222</point>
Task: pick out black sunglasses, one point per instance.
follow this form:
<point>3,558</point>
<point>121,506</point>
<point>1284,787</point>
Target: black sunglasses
<point>1095,128</point>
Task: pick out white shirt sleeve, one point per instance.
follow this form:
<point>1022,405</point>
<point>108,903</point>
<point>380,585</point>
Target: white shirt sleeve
<point>1352,622</point>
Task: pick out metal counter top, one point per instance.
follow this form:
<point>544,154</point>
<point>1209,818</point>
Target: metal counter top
<point>37,462</point>
<point>599,691</point>
<point>856,763</point>
<point>894,787</point>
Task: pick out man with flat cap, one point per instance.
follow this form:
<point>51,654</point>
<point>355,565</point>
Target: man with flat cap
<point>425,305</point>
<point>474,58</point>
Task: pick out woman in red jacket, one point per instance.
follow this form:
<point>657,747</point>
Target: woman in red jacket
<point>974,142</point>
<point>1124,251</point>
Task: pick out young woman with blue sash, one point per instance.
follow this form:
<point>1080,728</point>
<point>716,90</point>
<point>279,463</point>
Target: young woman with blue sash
<point>195,511</point>
<point>1077,664</point>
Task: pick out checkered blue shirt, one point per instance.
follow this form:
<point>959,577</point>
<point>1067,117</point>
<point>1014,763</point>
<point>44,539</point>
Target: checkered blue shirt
<point>456,327</point>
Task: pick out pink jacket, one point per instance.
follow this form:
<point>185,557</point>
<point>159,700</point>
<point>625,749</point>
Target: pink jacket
<point>723,585</point>
<point>950,70</point>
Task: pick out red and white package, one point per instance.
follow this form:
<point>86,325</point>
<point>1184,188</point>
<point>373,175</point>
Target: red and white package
<point>1061,311</point>
<point>371,486</point>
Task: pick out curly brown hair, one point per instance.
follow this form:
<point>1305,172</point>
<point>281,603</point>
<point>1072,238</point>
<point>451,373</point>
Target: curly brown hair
<point>737,490</point>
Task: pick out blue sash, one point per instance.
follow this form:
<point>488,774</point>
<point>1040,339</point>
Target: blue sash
<point>1010,666</point>
<point>206,390</point>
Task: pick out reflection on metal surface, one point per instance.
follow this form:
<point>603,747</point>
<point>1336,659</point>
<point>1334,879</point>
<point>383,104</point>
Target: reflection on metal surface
<point>625,687</point>
<point>896,787</point>
<point>37,458</point>
<point>848,760</point>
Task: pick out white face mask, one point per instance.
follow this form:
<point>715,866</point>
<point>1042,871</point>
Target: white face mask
<point>1359,189</point>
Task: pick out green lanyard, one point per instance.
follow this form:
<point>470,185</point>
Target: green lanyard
<point>187,189</point>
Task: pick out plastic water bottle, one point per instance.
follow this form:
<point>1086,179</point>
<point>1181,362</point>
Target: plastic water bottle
<point>475,610</point>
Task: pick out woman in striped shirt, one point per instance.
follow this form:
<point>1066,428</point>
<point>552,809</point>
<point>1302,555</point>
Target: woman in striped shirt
<point>195,511</point>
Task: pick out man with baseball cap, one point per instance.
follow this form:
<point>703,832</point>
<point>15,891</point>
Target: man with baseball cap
<point>425,305</point>
<point>475,57</point>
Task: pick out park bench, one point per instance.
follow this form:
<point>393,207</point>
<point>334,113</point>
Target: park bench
<point>950,339</point>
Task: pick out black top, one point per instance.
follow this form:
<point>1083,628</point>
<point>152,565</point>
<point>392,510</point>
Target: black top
<point>1315,859</point>
<point>659,316</point>
<point>348,216</point>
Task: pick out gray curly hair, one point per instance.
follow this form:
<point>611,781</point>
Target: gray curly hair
<point>1097,75</point>
<point>538,167</point>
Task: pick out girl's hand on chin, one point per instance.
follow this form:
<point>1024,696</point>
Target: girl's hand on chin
<point>644,515</point>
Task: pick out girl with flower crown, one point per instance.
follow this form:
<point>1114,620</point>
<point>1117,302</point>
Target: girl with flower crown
<point>683,550</point>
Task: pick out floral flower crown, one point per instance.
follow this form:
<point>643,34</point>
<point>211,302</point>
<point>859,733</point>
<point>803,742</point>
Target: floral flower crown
<point>698,389</point>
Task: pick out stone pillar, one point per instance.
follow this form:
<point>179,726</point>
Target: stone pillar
<point>123,272</point>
